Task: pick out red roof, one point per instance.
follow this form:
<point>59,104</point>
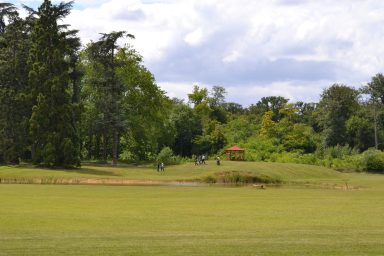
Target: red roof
<point>235,148</point>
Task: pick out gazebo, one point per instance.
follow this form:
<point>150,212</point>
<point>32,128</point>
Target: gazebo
<point>235,153</point>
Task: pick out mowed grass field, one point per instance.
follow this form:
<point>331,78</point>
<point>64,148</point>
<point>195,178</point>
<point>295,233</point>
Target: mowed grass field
<point>200,220</point>
<point>184,172</point>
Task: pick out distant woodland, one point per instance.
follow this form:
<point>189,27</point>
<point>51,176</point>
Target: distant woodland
<point>62,103</point>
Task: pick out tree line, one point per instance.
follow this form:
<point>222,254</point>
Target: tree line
<point>62,102</point>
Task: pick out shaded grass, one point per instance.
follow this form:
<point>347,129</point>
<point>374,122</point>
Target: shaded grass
<point>108,220</point>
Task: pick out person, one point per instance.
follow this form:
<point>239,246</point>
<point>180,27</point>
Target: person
<point>158,167</point>
<point>162,167</point>
<point>203,159</point>
<point>196,160</point>
<point>218,160</point>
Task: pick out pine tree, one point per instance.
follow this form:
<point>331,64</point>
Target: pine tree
<point>14,101</point>
<point>52,125</point>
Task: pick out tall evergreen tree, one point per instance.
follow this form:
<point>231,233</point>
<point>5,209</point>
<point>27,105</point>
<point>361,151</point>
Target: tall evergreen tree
<point>14,97</point>
<point>6,9</point>
<point>52,124</point>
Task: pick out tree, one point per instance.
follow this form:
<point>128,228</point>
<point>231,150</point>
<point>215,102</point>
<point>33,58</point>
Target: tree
<point>233,108</point>
<point>212,139</point>
<point>51,124</point>
<point>217,97</point>
<point>301,137</point>
<point>338,103</point>
<point>239,129</point>
<point>144,106</point>
<point>375,90</point>
<point>198,96</point>
<point>360,130</point>
<point>216,103</point>
<point>268,126</point>
<point>6,9</point>
<point>14,97</point>
<point>125,111</point>
<point>306,114</point>
<point>102,55</point>
<point>187,126</point>
<point>271,103</point>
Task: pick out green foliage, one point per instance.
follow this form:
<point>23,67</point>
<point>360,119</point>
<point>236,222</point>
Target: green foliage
<point>236,177</point>
<point>167,157</point>
<point>187,126</point>
<point>375,88</point>
<point>373,160</point>
<point>15,103</point>
<point>239,129</point>
<point>268,126</point>
<point>301,137</point>
<point>52,121</point>
<point>212,140</point>
<point>271,103</point>
<point>338,103</point>
<point>259,148</point>
<point>131,104</point>
<point>198,96</point>
<point>360,130</point>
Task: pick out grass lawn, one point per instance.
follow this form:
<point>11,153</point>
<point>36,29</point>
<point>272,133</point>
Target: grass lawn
<point>208,220</point>
<point>185,172</point>
<point>134,220</point>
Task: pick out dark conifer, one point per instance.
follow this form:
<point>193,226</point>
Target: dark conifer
<point>52,125</point>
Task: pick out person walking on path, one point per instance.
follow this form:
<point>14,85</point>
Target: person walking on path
<point>162,167</point>
<point>218,160</point>
<point>203,159</point>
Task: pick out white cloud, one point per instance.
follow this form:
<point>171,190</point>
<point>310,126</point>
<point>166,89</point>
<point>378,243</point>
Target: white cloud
<point>232,57</point>
<point>264,47</point>
<point>194,38</point>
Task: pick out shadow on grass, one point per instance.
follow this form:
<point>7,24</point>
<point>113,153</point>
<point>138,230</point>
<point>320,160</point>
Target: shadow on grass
<point>81,170</point>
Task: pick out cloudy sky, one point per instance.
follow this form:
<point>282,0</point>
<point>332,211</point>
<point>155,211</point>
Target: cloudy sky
<point>291,48</point>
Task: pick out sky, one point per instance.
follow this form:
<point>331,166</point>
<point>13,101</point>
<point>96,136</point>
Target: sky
<point>289,48</point>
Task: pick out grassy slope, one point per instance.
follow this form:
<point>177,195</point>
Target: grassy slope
<point>121,220</point>
<point>285,172</point>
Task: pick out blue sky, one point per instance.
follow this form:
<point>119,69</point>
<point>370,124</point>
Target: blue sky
<point>291,48</point>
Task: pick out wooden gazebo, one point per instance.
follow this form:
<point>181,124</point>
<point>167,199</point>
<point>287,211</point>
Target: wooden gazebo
<point>235,153</point>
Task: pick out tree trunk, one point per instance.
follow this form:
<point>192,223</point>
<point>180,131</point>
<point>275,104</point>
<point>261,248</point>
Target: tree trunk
<point>375,127</point>
<point>105,148</point>
<point>115,148</point>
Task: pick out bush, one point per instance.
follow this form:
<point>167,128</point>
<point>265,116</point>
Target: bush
<point>209,179</point>
<point>373,161</point>
<point>167,157</point>
<point>236,177</point>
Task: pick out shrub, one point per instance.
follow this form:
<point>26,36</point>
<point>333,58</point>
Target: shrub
<point>373,160</point>
<point>236,177</point>
<point>167,157</point>
<point>209,179</point>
